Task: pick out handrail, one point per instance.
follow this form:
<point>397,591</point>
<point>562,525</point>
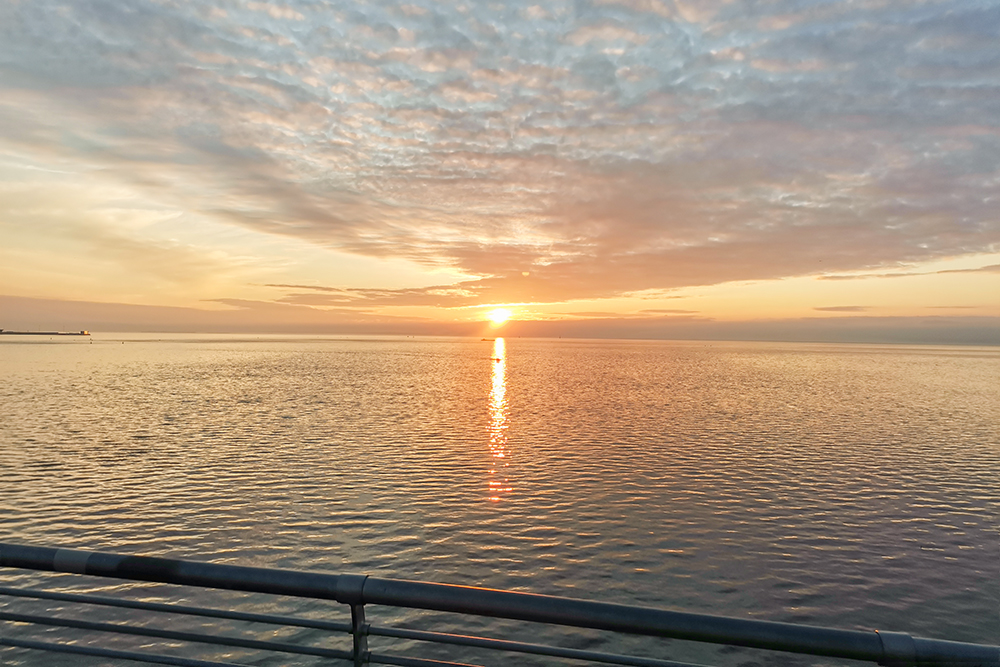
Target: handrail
<point>177,609</point>
<point>885,648</point>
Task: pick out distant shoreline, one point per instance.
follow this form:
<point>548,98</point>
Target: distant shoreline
<point>44,333</point>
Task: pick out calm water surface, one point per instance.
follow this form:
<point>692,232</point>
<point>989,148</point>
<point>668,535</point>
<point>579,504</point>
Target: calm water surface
<point>852,486</point>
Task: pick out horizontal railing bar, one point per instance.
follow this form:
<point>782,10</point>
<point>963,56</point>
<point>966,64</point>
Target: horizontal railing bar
<point>171,571</point>
<point>154,658</point>
<point>177,609</point>
<point>852,644</point>
<point>884,648</point>
<point>383,659</point>
<point>119,628</point>
<point>522,647</point>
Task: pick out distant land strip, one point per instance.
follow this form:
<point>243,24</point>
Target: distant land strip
<point>4,332</point>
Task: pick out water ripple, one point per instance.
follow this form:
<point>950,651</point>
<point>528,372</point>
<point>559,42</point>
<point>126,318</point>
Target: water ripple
<point>850,486</point>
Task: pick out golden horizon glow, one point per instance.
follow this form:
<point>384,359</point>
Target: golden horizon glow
<point>499,316</point>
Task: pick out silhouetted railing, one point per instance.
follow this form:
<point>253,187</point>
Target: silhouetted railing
<point>885,648</point>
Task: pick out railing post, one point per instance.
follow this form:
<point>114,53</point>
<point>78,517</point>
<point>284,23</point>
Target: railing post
<point>359,629</point>
<point>351,590</point>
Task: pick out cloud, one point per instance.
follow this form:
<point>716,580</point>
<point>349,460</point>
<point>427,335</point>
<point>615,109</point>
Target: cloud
<point>843,309</point>
<point>318,288</point>
<point>992,268</point>
<point>594,313</point>
<point>605,147</point>
<point>242,315</point>
<point>109,229</point>
<point>651,313</point>
<point>667,311</point>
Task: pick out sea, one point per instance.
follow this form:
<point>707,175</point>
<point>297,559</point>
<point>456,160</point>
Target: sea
<point>853,486</point>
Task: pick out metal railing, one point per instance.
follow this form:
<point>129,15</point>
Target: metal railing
<point>885,648</point>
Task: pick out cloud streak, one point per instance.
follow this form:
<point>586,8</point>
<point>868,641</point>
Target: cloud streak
<point>992,268</point>
<point>843,309</point>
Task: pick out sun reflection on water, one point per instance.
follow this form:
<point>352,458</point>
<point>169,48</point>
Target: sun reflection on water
<point>499,484</point>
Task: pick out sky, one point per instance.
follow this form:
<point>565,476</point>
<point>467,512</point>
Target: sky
<point>630,168</point>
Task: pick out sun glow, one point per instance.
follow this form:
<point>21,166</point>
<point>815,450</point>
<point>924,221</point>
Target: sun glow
<point>499,316</point>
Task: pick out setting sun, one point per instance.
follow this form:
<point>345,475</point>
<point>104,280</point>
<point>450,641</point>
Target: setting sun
<point>499,316</point>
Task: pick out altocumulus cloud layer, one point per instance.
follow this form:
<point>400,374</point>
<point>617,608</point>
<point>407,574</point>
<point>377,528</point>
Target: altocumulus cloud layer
<point>558,150</point>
